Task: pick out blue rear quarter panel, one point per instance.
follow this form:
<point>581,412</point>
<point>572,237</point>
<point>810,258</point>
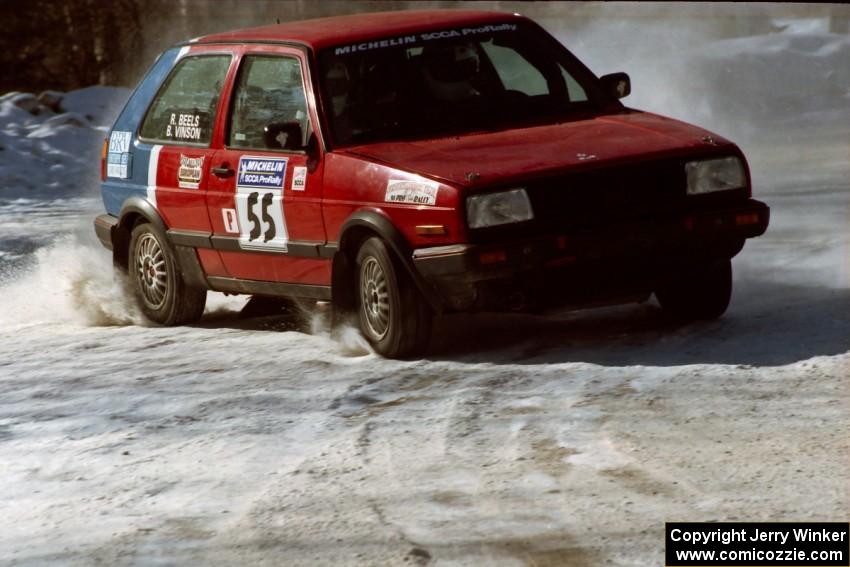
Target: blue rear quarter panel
<point>115,190</point>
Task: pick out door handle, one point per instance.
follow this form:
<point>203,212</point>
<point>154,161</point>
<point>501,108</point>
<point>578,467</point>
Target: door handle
<point>222,171</point>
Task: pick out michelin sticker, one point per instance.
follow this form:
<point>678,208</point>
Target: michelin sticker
<point>118,156</point>
<point>414,192</point>
<point>259,203</point>
<point>299,178</point>
<point>189,172</point>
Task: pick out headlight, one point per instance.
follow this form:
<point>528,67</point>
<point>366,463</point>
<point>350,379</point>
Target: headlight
<point>492,209</point>
<point>708,176</point>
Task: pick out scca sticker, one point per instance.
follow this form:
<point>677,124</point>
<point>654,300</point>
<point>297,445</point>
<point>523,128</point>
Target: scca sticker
<point>413,192</point>
<point>189,172</point>
<point>299,178</point>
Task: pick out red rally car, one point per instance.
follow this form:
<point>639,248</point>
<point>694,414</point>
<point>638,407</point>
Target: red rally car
<point>410,163</point>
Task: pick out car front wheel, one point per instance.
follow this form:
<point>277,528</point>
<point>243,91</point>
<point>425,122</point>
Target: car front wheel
<point>159,288</point>
<point>393,316</point>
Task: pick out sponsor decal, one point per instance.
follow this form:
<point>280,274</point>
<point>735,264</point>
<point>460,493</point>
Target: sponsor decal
<point>118,156</point>
<point>230,223</point>
<point>299,178</point>
<point>118,165</point>
<point>119,142</point>
<point>261,173</point>
<point>190,171</point>
<point>414,39</point>
<point>183,126</point>
<point>259,203</point>
<point>414,192</point>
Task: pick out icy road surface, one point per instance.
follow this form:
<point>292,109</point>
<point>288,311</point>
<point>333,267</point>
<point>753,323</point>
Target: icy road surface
<point>521,440</point>
<point>560,440</point>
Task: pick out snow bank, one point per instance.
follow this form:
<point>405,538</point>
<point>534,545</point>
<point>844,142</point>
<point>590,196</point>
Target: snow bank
<point>100,105</point>
<point>50,144</point>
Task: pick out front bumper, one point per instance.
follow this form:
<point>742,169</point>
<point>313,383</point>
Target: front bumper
<point>625,259</point>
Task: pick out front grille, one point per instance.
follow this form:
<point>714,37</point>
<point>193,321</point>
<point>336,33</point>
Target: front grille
<point>598,197</point>
<point>609,194</point>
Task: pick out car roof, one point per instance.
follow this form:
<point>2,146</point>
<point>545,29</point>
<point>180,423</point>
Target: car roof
<point>324,32</point>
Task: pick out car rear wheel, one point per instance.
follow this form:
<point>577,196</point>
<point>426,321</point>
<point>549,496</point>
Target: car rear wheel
<point>161,293</point>
<point>701,292</point>
<point>392,315</point>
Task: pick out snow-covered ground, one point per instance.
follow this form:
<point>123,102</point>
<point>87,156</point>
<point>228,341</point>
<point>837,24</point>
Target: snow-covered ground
<point>521,440</point>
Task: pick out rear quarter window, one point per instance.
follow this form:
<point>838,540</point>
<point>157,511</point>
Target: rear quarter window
<point>184,110</point>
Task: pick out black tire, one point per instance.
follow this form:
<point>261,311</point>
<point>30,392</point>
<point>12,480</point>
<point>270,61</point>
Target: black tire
<point>393,316</point>
<point>157,283</point>
<point>701,292</point>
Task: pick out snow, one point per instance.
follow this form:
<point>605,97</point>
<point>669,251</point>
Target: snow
<point>100,105</point>
<point>49,155</point>
<point>520,440</point>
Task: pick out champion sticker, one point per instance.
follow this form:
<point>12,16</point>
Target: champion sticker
<point>189,172</point>
<point>414,192</point>
<point>118,156</point>
<point>299,178</point>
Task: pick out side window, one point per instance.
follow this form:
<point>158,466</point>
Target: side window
<point>269,109</point>
<point>184,110</point>
<point>577,93</point>
<point>516,73</point>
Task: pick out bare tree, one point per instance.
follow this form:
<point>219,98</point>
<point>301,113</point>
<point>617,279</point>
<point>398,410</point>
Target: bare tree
<point>68,45</point>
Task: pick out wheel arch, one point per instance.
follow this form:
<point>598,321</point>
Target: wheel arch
<point>133,211</point>
<point>359,226</point>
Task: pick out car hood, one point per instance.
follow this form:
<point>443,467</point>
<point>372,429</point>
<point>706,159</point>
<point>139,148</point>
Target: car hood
<point>487,158</point>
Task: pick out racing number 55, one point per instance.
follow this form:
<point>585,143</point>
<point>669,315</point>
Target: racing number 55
<point>259,203</point>
<point>256,223</point>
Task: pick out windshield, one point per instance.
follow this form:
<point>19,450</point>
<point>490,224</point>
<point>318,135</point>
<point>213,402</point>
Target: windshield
<point>451,81</point>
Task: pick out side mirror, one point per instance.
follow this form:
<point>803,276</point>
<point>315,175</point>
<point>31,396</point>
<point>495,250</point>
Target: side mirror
<point>617,85</point>
<point>283,136</point>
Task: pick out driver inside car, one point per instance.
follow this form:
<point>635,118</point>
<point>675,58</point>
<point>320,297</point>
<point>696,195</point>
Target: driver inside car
<point>449,71</point>
<point>338,83</point>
